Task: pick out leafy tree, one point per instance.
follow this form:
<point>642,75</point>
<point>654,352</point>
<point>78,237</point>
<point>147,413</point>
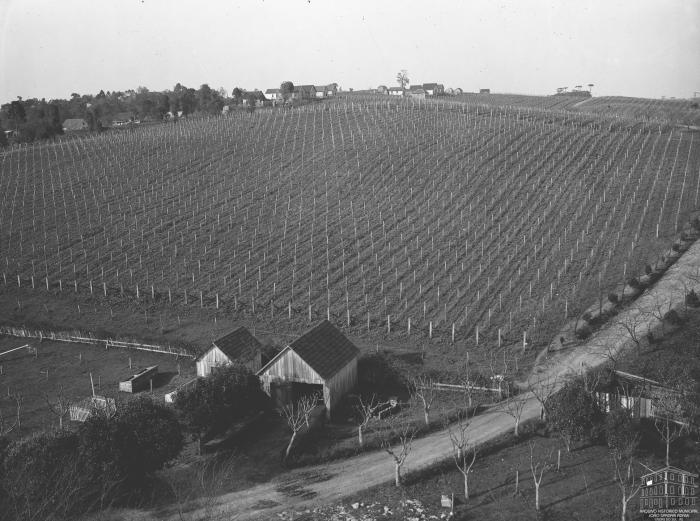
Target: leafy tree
<point>213,403</point>
<point>3,138</point>
<point>17,113</point>
<point>139,439</point>
<point>286,89</point>
<point>573,412</point>
<point>237,94</point>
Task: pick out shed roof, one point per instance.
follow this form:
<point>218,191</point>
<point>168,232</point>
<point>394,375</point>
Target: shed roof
<point>430,86</point>
<point>324,347</point>
<point>299,88</point>
<point>273,91</point>
<point>123,116</point>
<point>239,344</point>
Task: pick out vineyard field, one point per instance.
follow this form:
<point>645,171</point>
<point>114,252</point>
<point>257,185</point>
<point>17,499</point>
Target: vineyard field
<point>457,221</point>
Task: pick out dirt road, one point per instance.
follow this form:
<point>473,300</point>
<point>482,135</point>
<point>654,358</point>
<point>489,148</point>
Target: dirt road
<point>332,482</point>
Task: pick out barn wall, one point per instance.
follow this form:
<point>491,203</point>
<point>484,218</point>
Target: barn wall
<point>339,385</point>
<point>290,368</point>
<point>213,358</point>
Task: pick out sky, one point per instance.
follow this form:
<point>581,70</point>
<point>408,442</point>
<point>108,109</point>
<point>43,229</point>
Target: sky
<point>646,48</point>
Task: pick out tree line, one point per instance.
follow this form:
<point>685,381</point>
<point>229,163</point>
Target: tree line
<point>34,119</point>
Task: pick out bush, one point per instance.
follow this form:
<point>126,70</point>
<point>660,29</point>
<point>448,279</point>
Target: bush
<point>691,299</point>
<point>139,439</point>
<point>228,394</point>
<point>40,476</point>
<point>574,413</point>
<point>696,223</point>
<point>379,374</point>
<point>634,283</point>
<point>621,433</point>
<point>613,298</point>
<point>648,269</point>
<point>673,318</point>
<point>676,247</point>
<point>583,331</point>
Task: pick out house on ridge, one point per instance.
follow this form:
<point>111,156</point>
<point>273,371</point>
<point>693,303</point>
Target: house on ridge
<point>74,125</point>
<point>322,361</point>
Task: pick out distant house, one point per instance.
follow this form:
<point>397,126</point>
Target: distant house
<point>396,91</point>
<point>382,90</point>
<point>304,92</point>
<point>434,89</point>
<point>484,91</point>
<point>321,361</point>
<point>417,93</point>
<point>331,90</point>
<point>74,125</point>
<point>255,97</point>
<point>123,119</point>
<point>273,94</point>
<point>239,346</point>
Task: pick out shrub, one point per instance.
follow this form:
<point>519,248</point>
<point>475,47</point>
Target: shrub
<point>228,394</point>
<point>676,247</point>
<point>379,374</point>
<point>621,432</point>
<point>139,439</point>
<point>648,269</point>
<point>673,318</point>
<point>583,331</point>
<point>691,299</point>
<point>40,477</point>
<point>696,223</point>
<point>634,283</point>
<point>613,298</point>
<point>574,413</point>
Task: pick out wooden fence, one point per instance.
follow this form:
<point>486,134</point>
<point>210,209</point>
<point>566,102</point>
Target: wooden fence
<point>80,337</point>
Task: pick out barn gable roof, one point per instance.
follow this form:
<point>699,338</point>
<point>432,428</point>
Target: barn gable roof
<point>239,344</point>
<point>324,348</point>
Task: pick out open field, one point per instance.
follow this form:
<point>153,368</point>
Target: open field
<point>69,367</point>
<point>454,218</point>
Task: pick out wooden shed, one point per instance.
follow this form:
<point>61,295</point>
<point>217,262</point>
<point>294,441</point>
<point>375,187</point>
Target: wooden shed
<point>321,360</point>
<point>238,346</point>
<point>139,381</point>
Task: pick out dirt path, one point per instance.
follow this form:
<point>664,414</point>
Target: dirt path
<point>332,482</point>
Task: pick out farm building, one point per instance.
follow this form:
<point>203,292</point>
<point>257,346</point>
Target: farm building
<point>273,94</point>
<point>238,346</point>
<point>322,360</point>
<point>74,124</point>
<point>304,92</point>
<point>484,91</point>
<point>636,393</point>
<point>122,119</point>
<point>417,93</point>
<point>434,89</point>
<point>396,91</point>
<point>327,91</point>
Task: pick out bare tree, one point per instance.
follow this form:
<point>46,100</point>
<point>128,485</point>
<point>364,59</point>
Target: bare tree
<point>462,448</point>
<point>634,325</point>
<point>402,78</point>
<point>513,407</point>
<point>307,404</point>
<point>423,390</point>
<point>467,381</point>
<point>538,469</point>
<point>667,419</point>
<point>629,486</point>
<point>659,308</point>
<point>294,415</point>
<point>367,411</point>
<point>404,433</point>
<point>60,407</point>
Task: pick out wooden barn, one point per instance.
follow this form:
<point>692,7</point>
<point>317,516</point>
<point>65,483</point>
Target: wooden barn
<point>238,346</point>
<point>321,361</point>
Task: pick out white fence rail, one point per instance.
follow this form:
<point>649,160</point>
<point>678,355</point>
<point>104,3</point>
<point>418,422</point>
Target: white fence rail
<point>82,338</point>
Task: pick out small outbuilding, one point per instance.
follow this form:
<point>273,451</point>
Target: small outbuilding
<point>321,361</point>
<point>239,346</point>
<point>74,125</point>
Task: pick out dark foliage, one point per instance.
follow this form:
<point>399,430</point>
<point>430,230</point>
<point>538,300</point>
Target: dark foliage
<point>230,393</point>
<point>691,299</point>
<point>574,413</point>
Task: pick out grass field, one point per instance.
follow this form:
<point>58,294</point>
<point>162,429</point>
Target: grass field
<point>69,367</point>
